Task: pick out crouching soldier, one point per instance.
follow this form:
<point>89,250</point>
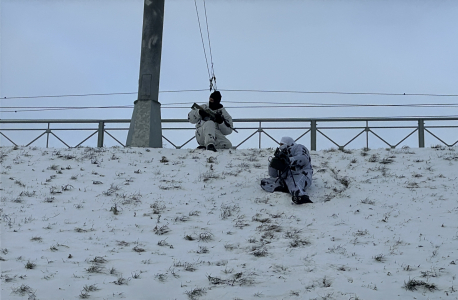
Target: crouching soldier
<point>290,171</point>
<point>213,123</point>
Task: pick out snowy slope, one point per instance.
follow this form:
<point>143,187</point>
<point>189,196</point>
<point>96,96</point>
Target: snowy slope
<point>121,223</point>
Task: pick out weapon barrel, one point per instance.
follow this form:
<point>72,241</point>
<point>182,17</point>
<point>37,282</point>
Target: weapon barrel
<point>208,111</point>
<point>212,114</point>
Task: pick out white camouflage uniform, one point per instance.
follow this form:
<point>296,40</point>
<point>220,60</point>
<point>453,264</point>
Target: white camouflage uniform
<point>210,132</point>
<point>299,178</point>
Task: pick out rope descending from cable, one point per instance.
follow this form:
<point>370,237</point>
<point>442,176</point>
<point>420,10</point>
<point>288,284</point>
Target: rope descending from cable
<point>210,70</point>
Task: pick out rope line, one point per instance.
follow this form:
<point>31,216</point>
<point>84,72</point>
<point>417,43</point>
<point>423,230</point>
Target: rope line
<point>213,77</point>
<point>202,38</point>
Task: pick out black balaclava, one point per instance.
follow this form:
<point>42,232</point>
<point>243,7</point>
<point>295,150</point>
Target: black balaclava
<point>216,96</point>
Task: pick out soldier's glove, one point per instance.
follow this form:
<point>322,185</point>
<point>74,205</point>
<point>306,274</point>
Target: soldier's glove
<point>203,114</point>
<point>219,118</point>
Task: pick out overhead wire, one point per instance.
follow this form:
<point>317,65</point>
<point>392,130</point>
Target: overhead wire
<point>340,93</point>
<point>202,38</point>
<point>15,109</point>
<point>64,96</point>
<point>98,94</point>
<point>254,104</point>
<point>386,117</point>
<point>243,90</point>
<point>39,109</point>
<point>211,74</point>
<point>213,77</point>
<point>272,104</point>
<point>328,106</point>
<point>300,104</point>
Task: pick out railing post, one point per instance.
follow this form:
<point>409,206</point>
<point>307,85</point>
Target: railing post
<point>47,136</point>
<point>260,133</point>
<point>421,133</point>
<point>100,134</point>
<point>367,134</point>
<point>313,135</point>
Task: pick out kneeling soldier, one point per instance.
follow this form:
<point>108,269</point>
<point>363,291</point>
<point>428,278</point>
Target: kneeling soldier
<point>213,123</point>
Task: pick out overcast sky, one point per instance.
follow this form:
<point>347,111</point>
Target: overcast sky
<point>61,47</point>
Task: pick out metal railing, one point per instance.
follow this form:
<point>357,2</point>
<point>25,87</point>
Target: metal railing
<point>317,129</point>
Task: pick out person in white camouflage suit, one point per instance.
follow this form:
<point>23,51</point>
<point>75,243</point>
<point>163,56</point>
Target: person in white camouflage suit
<point>211,134</point>
<point>296,178</point>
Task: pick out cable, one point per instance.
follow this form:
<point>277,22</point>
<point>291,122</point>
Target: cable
<point>295,104</point>
<point>39,109</point>
<point>325,106</point>
<point>343,93</point>
<point>202,38</point>
<point>184,91</point>
<point>86,95</point>
<point>36,109</point>
<point>213,77</point>
<point>330,118</point>
<point>63,96</point>
<point>286,105</point>
<point>240,90</point>
<point>67,107</point>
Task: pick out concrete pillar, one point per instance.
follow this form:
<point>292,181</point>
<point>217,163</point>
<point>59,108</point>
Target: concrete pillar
<point>145,128</point>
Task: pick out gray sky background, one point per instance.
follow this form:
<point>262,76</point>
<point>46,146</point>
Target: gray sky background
<point>61,47</point>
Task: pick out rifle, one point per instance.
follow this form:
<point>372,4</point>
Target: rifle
<point>212,115</point>
<point>280,161</point>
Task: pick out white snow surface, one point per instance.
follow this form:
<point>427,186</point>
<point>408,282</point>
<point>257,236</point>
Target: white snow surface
<point>139,223</point>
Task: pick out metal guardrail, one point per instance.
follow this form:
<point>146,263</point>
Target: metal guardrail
<point>314,127</point>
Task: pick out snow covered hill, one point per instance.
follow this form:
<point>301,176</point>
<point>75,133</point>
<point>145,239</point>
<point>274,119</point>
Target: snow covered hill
<point>130,223</point>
